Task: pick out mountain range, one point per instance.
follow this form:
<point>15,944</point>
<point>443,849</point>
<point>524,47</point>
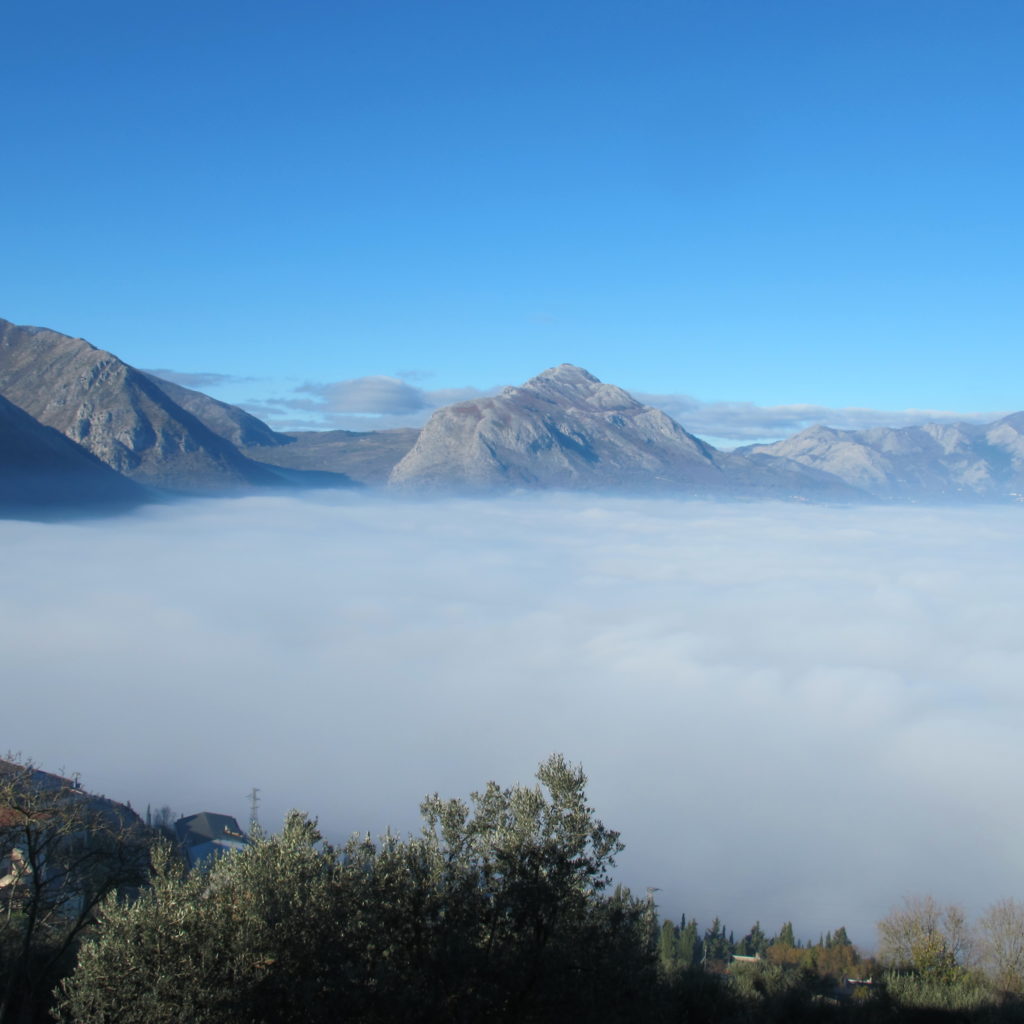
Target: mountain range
<point>81,429</point>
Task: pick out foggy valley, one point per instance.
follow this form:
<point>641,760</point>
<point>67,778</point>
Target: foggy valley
<point>791,712</point>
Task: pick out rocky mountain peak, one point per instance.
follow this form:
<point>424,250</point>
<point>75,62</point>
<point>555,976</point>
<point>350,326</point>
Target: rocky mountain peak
<point>562,428</point>
<point>572,386</point>
<point>564,375</point>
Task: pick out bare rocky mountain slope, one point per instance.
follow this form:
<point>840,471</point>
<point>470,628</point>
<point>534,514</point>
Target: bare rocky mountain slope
<point>567,429</point>
<point>932,462</point>
<point>118,414</point>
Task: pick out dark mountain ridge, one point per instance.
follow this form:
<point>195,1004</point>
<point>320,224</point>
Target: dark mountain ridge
<point>118,414</point>
<point>43,472</point>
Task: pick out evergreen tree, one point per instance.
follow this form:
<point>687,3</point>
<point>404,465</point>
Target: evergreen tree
<point>668,947</point>
<point>755,942</point>
<point>690,946</point>
<point>717,945</point>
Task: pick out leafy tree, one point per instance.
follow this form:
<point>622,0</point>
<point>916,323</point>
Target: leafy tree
<point>496,911</point>
<point>786,937</point>
<point>246,938</point>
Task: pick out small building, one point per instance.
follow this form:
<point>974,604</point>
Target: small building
<point>207,835</point>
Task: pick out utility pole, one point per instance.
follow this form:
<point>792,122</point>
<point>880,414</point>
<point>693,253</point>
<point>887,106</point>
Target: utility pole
<point>254,807</point>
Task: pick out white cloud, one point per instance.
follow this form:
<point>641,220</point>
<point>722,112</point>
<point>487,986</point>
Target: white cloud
<point>373,395</point>
<point>362,403</point>
<point>790,712</point>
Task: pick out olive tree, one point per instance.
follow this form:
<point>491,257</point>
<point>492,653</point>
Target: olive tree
<point>240,940</point>
<point>495,911</point>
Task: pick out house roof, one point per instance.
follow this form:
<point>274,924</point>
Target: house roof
<point>207,826</point>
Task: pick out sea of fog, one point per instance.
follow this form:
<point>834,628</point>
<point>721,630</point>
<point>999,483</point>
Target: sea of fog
<point>789,712</point>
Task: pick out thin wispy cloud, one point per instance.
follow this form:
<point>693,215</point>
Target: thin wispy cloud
<point>361,403</point>
<point>790,712</point>
<point>198,381</point>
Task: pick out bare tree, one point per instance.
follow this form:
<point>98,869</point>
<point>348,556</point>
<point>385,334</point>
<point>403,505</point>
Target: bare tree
<point>1001,945</point>
<point>925,936</point>
<point>61,851</point>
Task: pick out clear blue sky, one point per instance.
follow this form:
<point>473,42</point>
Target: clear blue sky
<point>801,201</point>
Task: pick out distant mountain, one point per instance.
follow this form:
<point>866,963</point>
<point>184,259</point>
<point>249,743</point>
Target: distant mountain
<point>367,457</point>
<point>43,472</point>
<point>933,462</point>
<point>563,428</point>
<point>567,429</point>
<point>69,408</point>
<point>119,414</point>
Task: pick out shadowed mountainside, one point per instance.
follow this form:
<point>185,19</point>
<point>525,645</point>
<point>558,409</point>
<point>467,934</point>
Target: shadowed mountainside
<point>118,414</point>
<point>43,471</point>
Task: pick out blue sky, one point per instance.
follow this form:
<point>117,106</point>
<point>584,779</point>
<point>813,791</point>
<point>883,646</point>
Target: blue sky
<point>770,204</point>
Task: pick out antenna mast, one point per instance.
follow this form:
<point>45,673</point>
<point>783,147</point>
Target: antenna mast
<point>254,807</point>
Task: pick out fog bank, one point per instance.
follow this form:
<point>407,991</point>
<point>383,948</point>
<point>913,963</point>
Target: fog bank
<point>789,712</point>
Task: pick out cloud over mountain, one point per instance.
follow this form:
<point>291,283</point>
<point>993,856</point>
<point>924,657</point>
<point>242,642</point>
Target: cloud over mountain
<point>377,402</point>
<point>381,402</point>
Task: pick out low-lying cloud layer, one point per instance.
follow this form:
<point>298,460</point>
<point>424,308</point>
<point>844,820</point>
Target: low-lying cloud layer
<point>790,712</point>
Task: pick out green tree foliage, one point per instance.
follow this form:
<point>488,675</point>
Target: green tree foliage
<point>668,947</point>
<point>754,943</point>
<point>62,852</point>
<point>690,946</point>
<point>717,947</point>
<point>497,911</point>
